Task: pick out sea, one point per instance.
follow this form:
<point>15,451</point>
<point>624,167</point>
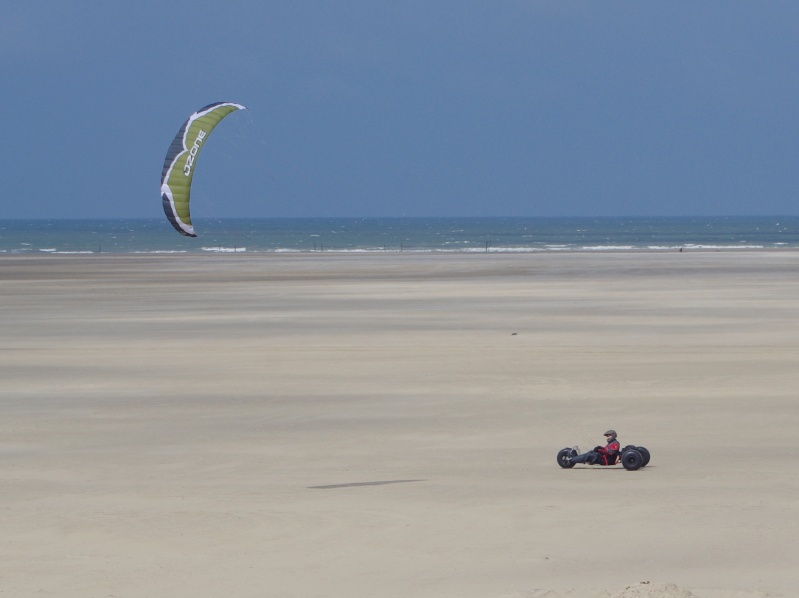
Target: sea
<point>261,235</point>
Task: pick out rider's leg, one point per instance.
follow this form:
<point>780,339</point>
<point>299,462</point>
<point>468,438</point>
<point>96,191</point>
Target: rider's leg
<point>590,458</point>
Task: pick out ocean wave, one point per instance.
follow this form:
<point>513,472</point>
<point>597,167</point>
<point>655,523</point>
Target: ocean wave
<point>608,248</point>
<point>408,235</point>
<point>724,246</point>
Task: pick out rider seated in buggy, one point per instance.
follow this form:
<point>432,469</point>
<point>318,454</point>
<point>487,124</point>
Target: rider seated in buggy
<point>602,455</point>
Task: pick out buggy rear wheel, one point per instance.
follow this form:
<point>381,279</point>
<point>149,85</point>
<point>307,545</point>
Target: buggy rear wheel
<point>632,460</point>
<point>645,454</point>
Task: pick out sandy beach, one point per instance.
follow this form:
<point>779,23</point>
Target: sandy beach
<point>385,425</point>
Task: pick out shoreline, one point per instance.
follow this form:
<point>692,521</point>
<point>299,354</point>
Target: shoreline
<point>378,251</point>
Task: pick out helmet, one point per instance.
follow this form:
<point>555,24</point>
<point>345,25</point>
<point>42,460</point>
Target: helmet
<point>611,433</point>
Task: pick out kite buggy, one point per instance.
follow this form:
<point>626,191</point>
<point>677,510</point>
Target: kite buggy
<point>631,457</point>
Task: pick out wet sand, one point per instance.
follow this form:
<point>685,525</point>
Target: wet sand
<point>386,425</point>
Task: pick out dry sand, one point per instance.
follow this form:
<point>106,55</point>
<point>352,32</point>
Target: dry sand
<point>386,425</point>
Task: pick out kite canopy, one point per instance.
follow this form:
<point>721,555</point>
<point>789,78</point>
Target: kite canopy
<point>181,160</point>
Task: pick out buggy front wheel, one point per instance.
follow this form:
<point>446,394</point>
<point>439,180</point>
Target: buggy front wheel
<point>564,458</point>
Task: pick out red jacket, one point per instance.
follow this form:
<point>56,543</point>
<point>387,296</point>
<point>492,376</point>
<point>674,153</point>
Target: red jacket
<point>608,454</point>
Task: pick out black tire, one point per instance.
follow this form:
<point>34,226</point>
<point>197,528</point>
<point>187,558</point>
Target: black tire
<point>563,461</point>
<point>645,454</point>
<point>631,460</point>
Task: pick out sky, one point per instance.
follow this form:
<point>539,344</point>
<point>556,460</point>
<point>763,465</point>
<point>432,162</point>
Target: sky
<point>407,108</point>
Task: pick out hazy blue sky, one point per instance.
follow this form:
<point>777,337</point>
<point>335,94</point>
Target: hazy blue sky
<point>428,108</point>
